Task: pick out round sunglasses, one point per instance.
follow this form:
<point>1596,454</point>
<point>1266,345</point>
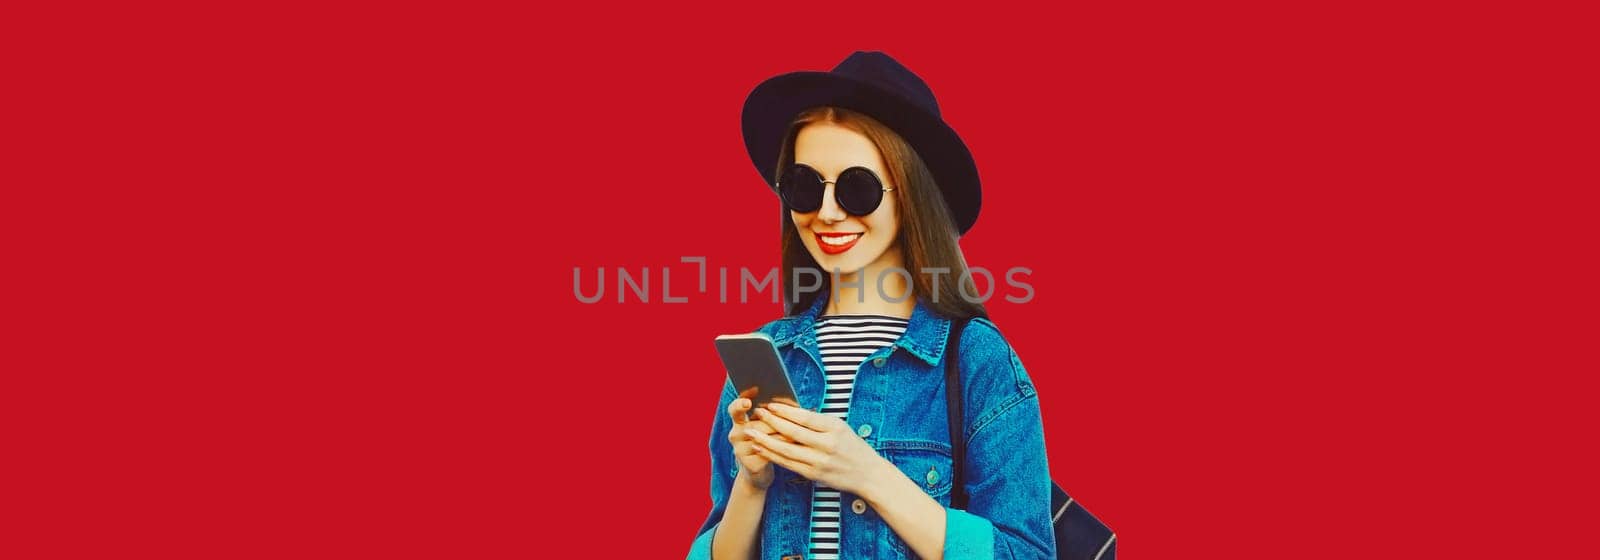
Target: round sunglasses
<point>857,190</point>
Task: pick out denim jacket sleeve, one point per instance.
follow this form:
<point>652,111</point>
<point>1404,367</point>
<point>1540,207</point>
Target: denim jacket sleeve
<point>1007,472</point>
<point>723,471</point>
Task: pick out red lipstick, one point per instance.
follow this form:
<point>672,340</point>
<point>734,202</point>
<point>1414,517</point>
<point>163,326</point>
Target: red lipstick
<point>834,243</point>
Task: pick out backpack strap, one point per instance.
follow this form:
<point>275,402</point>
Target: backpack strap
<point>952,399</point>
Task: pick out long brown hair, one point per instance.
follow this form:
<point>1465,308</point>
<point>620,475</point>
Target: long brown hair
<point>927,237</point>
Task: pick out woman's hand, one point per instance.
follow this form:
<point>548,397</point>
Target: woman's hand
<point>757,468</point>
<point>819,447</point>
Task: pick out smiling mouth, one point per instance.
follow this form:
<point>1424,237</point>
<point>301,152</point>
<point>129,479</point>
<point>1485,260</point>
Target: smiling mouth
<point>835,243</point>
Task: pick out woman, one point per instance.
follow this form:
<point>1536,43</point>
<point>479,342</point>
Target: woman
<point>876,190</point>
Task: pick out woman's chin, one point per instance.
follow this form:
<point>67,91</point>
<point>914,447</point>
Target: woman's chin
<point>844,263</point>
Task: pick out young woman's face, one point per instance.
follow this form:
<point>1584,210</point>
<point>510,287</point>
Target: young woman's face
<point>834,238</point>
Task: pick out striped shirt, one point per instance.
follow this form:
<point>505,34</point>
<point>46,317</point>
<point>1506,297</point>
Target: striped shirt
<point>845,342</point>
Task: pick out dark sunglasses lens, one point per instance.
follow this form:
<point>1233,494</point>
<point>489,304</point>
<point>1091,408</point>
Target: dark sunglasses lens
<point>801,188</point>
<point>859,192</point>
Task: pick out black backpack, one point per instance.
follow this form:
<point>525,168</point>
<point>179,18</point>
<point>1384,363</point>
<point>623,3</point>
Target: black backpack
<point>1079,535</point>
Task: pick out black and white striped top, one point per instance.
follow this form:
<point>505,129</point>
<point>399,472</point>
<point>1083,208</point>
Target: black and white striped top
<point>845,342</point>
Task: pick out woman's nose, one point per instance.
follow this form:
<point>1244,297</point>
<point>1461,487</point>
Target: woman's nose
<point>830,211</point>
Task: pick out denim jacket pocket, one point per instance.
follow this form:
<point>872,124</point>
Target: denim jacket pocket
<point>928,464</point>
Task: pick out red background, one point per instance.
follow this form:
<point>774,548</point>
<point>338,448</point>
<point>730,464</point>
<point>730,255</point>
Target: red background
<point>1311,281</point>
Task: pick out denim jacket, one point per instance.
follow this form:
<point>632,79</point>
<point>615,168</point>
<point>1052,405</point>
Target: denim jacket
<point>898,407</point>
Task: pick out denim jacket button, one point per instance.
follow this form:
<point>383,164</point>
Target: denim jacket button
<point>865,430</point>
<point>858,506</point>
<point>878,362</point>
<point>933,477</point>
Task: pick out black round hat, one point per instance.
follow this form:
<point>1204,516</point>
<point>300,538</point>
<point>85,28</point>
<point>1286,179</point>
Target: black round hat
<point>880,87</point>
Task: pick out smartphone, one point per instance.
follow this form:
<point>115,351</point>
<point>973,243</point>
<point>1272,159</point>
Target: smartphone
<point>755,368</point>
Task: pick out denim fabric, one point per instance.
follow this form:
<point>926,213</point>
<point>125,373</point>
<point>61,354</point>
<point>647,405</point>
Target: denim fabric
<point>899,393</point>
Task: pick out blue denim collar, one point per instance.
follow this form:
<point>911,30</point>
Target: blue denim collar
<point>924,337</point>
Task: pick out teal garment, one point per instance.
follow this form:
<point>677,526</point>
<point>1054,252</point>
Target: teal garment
<point>898,407</point>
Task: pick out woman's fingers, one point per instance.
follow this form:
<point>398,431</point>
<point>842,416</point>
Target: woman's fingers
<point>794,432</point>
<point>818,422</point>
<point>794,452</point>
<point>737,410</point>
<point>765,428</point>
<point>774,458</point>
<point>737,435</point>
